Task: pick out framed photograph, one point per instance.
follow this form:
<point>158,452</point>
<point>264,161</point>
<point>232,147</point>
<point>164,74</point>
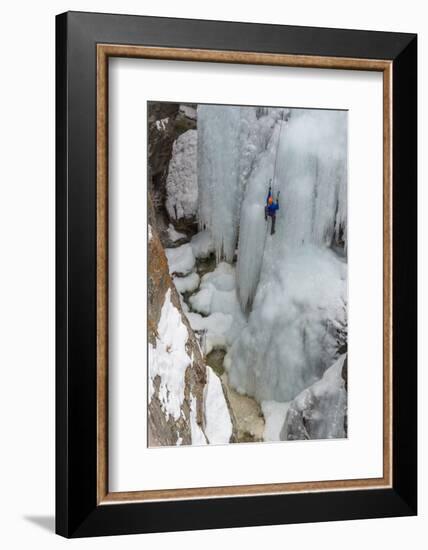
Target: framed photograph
<point>236,274</point>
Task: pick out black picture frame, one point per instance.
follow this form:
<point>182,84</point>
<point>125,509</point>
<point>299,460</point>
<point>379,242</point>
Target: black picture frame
<point>77,511</point>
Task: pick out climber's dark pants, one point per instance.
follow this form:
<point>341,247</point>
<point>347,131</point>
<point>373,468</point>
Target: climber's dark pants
<point>273,217</point>
<point>272,229</point>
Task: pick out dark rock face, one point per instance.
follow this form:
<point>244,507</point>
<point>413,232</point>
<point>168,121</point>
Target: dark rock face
<point>345,372</point>
<point>166,121</point>
<point>162,133</point>
<point>345,379</point>
<point>320,411</point>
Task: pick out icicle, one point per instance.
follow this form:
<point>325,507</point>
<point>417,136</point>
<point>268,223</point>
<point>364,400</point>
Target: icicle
<point>312,169</point>
<point>218,176</point>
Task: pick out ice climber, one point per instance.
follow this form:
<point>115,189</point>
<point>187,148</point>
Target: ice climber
<point>271,208</point>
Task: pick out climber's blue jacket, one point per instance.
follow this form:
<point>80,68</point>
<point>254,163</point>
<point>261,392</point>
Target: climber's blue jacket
<point>273,206</point>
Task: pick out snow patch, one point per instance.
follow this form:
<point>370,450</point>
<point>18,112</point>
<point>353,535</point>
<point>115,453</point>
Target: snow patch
<point>174,235</point>
<point>188,283</point>
<point>162,124</point>
<point>217,326</point>
<point>218,425</point>
<point>216,292</point>
<point>169,359</point>
<point>181,260</point>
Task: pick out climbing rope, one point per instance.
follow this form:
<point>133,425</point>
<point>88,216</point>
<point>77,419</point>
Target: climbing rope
<point>272,182</point>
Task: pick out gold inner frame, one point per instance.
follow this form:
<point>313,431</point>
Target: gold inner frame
<point>104,52</point>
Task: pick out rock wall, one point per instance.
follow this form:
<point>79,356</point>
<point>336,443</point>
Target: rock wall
<point>320,411</point>
<point>189,425</point>
<point>166,122</point>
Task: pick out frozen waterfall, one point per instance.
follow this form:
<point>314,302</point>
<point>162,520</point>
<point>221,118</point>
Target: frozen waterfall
<point>292,285</point>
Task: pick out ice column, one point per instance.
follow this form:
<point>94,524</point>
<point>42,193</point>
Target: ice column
<point>218,175</point>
